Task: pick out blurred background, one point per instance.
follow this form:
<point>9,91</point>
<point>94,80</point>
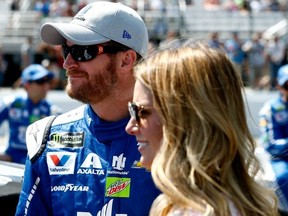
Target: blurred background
<point>215,20</point>
<point>252,32</point>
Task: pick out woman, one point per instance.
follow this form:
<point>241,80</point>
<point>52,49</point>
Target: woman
<point>188,116</point>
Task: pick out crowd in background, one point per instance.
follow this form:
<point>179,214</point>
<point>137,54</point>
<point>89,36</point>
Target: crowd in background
<point>256,58</point>
<point>56,8</point>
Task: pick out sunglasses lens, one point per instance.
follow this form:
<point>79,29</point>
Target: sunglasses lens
<point>80,53</point>
<point>65,51</point>
<point>285,86</point>
<point>133,110</point>
<point>42,81</point>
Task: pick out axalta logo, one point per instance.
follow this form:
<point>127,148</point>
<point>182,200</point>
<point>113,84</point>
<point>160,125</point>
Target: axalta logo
<point>69,139</point>
<point>117,187</point>
<point>61,162</point>
<point>69,187</point>
<point>91,165</point>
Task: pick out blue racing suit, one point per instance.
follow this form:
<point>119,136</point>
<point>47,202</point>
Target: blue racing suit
<point>84,167</point>
<point>20,112</point>
<point>274,138</point>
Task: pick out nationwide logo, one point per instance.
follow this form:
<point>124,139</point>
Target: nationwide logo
<point>117,187</point>
<point>91,165</point>
<point>67,139</point>
<point>61,162</point>
<point>119,162</point>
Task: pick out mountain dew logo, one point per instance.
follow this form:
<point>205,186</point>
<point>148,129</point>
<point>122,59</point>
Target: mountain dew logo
<point>118,187</point>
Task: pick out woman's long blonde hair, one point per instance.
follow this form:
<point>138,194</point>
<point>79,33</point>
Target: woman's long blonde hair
<point>207,156</point>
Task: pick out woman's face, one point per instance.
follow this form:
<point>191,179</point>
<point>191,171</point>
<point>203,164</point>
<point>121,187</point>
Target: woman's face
<point>148,129</point>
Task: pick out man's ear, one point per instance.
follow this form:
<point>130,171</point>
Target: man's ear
<point>129,58</point>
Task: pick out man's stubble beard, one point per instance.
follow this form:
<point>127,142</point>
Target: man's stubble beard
<point>96,88</point>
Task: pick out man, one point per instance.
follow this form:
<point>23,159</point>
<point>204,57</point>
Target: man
<point>21,110</point>
<point>233,47</point>
<point>275,53</point>
<point>89,165</point>
<point>274,138</point>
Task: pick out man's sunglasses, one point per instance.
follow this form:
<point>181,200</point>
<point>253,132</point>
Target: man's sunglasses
<point>135,111</point>
<point>41,81</point>
<point>285,86</point>
<point>88,52</point>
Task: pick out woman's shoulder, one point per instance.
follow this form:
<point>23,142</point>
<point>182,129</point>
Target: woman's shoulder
<point>191,212</point>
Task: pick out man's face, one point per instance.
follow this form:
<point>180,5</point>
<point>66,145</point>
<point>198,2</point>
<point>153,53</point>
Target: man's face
<point>90,81</point>
<point>37,90</point>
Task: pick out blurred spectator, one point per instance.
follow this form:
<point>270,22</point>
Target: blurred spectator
<point>3,66</point>
<point>234,50</point>
<point>13,70</point>
<point>22,110</point>
<point>256,58</point>
<point>42,6</point>
<point>230,5</point>
<point>160,29</point>
<point>211,4</point>
<point>51,57</point>
<point>59,8</point>
<point>79,5</point>
<point>256,6</point>
<point>15,6</point>
<point>275,52</point>
<point>214,40</point>
<point>27,52</point>
<point>172,39</point>
<point>158,5</point>
<point>274,137</point>
<point>274,5</point>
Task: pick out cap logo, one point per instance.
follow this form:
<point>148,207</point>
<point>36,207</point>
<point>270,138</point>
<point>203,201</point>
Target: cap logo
<point>82,12</point>
<point>126,35</point>
<point>80,18</point>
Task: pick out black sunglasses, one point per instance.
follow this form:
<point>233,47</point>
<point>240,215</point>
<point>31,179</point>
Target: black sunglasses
<point>135,111</point>
<point>285,86</point>
<point>88,52</point>
<point>41,81</point>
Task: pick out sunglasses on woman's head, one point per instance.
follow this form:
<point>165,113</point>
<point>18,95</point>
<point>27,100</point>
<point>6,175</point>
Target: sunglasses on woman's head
<point>88,52</point>
<point>135,111</point>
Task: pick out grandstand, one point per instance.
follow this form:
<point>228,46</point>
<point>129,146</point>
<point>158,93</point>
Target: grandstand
<point>193,21</point>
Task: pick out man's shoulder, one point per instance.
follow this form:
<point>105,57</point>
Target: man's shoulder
<point>14,99</point>
<point>273,105</point>
<point>71,116</point>
<point>36,131</point>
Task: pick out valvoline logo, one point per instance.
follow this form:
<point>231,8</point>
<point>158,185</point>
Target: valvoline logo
<point>61,162</point>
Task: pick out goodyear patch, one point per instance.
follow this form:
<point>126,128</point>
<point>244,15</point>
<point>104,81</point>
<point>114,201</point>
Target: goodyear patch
<point>118,187</point>
<point>66,139</point>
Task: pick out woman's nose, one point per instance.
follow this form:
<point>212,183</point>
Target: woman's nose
<point>132,127</point>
